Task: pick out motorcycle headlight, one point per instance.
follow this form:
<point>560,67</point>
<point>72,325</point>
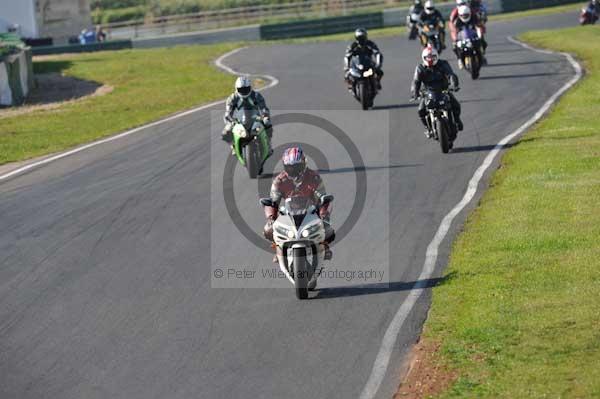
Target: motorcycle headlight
<point>368,73</point>
<point>291,234</point>
<point>305,233</point>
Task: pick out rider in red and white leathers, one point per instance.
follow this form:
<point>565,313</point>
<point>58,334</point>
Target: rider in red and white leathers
<point>297,180</point>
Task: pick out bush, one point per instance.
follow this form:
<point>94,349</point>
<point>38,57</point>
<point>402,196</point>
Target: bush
<point>118,15</point>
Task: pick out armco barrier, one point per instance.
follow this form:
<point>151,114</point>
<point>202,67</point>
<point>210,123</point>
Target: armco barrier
<point>16,78</point>
<point>520,5</point>
<point>322,26</point>
<point>82,48</point>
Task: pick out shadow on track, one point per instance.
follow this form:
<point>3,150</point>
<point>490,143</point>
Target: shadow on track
<point>524,75</point>
<point>502,64</point>
<point>381,288</point>
<point>351,170</point>
<point>394,106</point>
<point>477,148</point>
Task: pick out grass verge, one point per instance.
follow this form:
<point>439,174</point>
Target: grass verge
<point>537,12</point>
<point>518,315</point>
<point>147,85</point>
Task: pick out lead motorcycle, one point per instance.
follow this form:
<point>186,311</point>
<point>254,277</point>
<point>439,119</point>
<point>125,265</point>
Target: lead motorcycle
<point>299,233</point>
<point>250,141</point>
<point>364,80</point>
<point>470,52</point>
<point>440,119</point>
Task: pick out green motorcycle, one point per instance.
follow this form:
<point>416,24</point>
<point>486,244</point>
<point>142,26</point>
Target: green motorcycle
<point>250,141</point>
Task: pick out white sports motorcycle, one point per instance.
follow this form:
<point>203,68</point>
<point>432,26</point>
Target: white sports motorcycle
<point>299,233</point>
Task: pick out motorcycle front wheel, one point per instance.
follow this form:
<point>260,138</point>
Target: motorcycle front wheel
<point>475,67</point>
<point>300,273</point>
<point>442,130</point>
<point>251,156</point>
<point>364,94</point>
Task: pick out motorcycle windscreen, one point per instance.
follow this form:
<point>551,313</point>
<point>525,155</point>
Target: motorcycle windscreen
<point>467,34</point>
<point>361,62</point>
<point>435,99</point>
<point>246,115</point>
<point>297,208</point>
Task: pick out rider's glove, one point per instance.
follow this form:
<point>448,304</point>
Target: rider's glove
<point>266,120</point>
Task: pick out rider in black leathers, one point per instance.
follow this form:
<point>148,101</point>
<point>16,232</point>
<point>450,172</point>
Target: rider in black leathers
<point>417,8</point>
<point>435,75</point>
<point>433,16</point>
<point>363,45</point>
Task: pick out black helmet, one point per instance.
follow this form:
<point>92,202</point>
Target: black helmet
<point>418,2</point>
<point>360,35</point>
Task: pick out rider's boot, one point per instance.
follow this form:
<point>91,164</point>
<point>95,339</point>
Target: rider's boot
<point>278,251</point>
<point>428,133</point>
<point>327,252</point>
<point>459,123</point>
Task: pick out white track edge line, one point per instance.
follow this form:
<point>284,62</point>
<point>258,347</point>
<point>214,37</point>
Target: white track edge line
<point>389,339</point>
<point>219,63</point>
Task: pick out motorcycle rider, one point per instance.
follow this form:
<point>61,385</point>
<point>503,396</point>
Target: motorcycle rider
<point>243,96</point>
<point>363,46</point>
<point>432,16</point>
<point>465,18</point>
<point>594,6</point>
<point>416,9</point>
<point>479,9</point>
<point>454,14</point>
<point>435,75</point>
<point>297,180</point>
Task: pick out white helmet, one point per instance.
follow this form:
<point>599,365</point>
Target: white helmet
<point>429,7</point>
<point>464,13</point>
<point>461,3</point>
<point>430,56</point>
<point>243,86</point>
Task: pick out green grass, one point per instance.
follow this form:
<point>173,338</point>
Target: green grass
<point>519,315</point>
<point>147,85</point>
<point>537,12</point>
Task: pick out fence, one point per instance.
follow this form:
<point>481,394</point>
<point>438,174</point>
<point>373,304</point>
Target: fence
<point>245,15</point>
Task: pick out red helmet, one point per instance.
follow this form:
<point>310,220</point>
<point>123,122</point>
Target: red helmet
<point>294,162</point>
<point>429,56</point>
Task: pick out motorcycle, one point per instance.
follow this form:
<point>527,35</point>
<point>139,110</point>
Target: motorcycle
<point>412,25</point>
<point>299,234</point>
<point>469,49</point>
<point>440,119</point>
<point>250,141</point>
<point>588,16</point>
<point>430,34</point>
<point>364,80</point>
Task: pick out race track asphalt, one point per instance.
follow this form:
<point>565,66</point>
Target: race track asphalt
<point>108,257</point>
